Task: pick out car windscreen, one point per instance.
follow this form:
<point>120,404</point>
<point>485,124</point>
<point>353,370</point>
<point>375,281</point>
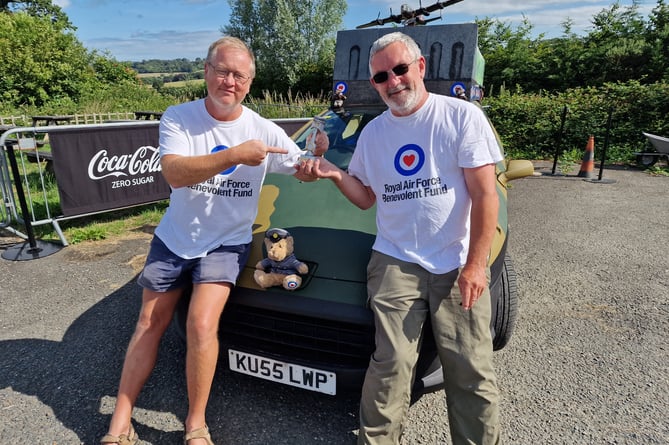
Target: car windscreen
<point>343,130</point>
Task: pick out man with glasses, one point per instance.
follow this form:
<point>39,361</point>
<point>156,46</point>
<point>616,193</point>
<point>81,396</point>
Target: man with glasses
<point>215,154</point>
<point>428,162</point>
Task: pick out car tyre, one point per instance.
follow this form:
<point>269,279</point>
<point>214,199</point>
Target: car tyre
<point>505,309</point>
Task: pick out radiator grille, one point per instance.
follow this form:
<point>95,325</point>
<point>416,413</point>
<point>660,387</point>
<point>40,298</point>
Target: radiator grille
<point>305,338</point>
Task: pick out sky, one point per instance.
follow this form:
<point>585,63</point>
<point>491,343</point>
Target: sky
<point>136,30</point>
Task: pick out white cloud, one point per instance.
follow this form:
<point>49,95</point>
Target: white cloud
<point>149,45</point>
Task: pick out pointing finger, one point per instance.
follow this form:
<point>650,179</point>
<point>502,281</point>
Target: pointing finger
<point>277,150</point>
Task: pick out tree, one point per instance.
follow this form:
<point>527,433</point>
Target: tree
<point>43,62</point>
<point>616,49</point>
<point>292,40</point>
<point>39,8</point>
<point>39,62</point>
<point>657,36</point>
<point>512,57</point>
<point>621,46</point>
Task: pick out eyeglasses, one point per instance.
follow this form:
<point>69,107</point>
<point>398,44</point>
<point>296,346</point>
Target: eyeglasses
<point>240,78</point>
<point>398,70</point>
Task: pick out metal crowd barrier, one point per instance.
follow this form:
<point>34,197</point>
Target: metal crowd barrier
<point>18,145</point>
<point>7,209</point>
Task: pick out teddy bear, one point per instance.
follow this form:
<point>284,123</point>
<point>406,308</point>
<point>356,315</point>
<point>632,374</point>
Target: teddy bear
<point>281,267</point>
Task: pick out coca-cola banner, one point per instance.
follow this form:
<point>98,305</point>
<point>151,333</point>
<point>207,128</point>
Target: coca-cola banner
<point>101,168</point>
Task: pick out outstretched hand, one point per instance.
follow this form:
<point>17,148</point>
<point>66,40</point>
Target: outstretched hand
<point>318,168</point>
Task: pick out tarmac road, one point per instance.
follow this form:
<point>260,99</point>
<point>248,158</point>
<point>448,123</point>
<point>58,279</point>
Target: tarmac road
<point>588,362</point>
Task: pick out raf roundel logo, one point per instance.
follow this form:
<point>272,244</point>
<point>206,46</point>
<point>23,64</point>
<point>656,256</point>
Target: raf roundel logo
<point>341,87</point>
<point>409,160</point>
<point>456,88</point>
<point>221,148</point>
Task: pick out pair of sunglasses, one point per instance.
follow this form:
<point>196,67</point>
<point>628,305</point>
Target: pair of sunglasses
<point>398,70</point>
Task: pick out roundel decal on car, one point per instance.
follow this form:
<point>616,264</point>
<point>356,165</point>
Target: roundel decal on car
<point>341,87</point>
<point>409,159</point>
<point>221,148</point>
<point>457,88</point>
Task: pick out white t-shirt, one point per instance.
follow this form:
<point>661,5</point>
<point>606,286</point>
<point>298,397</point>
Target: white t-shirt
<point>219,211</point>
<point>414,166</point>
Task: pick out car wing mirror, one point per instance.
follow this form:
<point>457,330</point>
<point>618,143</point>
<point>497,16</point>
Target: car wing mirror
<point>516,169</point>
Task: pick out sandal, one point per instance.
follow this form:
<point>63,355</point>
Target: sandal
<point>130,439</point>
<point>200,433</point>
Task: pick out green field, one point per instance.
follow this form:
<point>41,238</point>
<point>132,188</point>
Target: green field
<point>184,83</point>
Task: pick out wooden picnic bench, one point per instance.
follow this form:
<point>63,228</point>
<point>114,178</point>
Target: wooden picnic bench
<point>148,115</point>
<point>51,120</point>
<point>39,155</point>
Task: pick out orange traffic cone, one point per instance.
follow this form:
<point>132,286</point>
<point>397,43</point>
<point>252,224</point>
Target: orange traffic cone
<point>588,164</point>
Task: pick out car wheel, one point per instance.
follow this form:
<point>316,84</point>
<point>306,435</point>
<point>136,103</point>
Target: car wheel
<point>505,309</point>
<point>646,161</point>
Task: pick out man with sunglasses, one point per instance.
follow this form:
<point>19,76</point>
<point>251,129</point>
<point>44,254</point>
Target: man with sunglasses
<point>215,154</point>
<point>428,162</point>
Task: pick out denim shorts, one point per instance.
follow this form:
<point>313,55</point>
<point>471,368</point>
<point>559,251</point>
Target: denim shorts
<point>164,271</point>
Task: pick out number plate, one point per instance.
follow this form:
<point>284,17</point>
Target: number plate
<point>282,372</point>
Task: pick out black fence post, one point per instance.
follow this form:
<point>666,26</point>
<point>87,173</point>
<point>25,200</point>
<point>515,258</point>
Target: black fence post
<point>558,143</point>
<point>599,179</point>
<point>606,143</point>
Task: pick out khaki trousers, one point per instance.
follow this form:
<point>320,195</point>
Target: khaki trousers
<point>402,296</point>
